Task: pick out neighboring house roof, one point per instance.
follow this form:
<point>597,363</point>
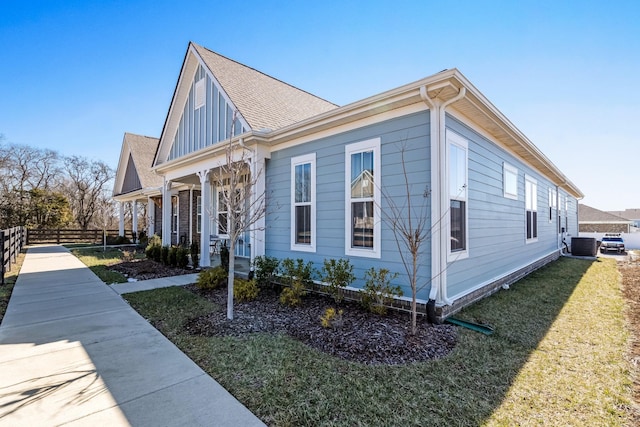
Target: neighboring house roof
<point>134,167</point>
<point>264,102</point>
<point>587,214</point>
<point>633,214</point>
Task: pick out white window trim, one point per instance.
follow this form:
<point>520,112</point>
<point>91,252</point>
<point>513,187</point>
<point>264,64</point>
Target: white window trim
<point>199,214</point>
<point>553,208</point>
<point>460,141</point>
<point>532,180</point>
<point>295,161</point>
<point>506,170</point>
<point>358,147</point>
<point>176,215</point>
<point>199,94</point>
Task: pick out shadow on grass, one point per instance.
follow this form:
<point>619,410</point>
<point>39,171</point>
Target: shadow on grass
<point>285,382</point>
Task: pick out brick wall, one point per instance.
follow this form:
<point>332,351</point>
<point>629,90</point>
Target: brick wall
<point>184,199</point>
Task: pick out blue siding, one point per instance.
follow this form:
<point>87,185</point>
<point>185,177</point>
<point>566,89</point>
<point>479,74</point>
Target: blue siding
<point>207,125</point>
<point>412,132</point>
<point>496,224</point>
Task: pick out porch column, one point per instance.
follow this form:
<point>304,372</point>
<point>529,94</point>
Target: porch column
<point>121,223</point>
<point>166,213</point>
<point>207,211</point>
<point>258,176</point>
<point>134,218</point>
<point>151,217</point>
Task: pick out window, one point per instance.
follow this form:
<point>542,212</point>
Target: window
<point>457,175</point>
<point>223,209</point>
<point>174,214</point>
<point>199,214</point>
<point>200,92</point>
<point>531,206</point>
<point>510,181</point>
<point>362,225</point>
<point>303,215</point>
<point>553,202</point>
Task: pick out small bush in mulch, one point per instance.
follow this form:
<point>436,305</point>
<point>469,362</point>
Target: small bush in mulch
<point>360,336</point>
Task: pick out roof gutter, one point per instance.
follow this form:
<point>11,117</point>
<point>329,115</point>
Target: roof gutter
<point>439,205</point>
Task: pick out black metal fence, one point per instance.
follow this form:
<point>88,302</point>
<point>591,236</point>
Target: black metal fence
<point>11,242</point>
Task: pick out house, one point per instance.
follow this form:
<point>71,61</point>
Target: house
<point>632,214</point>
<point>136,184</point>
<point>592,220</point>
<point>497,208</point>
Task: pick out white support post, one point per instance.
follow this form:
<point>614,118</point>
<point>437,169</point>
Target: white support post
<point>134,218</point>
<point>121,223</point>
<point>258,173</point>
<point>166,213</point>
<point>151,217</point>
<point>207,212</point>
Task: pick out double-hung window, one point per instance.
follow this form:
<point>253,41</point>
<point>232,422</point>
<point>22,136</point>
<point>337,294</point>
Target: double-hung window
<point>553,203</point>
<point>531,206</point>
<point>303,206</point>
<point>174,214</point>
<point>199,214</point>
<point>457,163</point>
<point>362,196</point>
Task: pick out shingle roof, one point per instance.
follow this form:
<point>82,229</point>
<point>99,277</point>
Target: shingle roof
<point>589,214</point>
<point>627,213</point>
<point>143,149</point>
<point>264,102</point>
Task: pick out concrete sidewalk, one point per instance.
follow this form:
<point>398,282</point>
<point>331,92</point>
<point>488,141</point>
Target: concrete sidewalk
<point>72,352</point>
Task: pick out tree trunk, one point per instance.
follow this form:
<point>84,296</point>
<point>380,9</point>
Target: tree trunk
<point>232,265</point>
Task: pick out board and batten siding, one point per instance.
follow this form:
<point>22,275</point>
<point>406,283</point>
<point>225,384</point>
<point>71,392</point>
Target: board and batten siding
<point>497,224</point>
<point>131,180</point>
<point>207,125</point>
<point>412,132</point>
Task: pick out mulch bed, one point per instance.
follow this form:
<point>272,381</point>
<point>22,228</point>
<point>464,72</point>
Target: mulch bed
<point>144,269</point>
<point>363,336</point>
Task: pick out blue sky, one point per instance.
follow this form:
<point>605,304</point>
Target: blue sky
<point>76,75</point>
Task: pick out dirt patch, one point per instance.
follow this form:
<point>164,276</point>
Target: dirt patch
<point>630,271</point>
<point>361,337</point>
<point>144,269</point>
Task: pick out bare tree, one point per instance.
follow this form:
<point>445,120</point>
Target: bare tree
<point>407,215</point>
<point>236,182</point>
<point>85,183</point>
<point>408,219</point>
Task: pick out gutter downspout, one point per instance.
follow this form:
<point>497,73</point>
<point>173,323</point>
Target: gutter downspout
<point>439,203</point>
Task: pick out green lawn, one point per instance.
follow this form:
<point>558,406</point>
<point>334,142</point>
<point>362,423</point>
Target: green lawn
<point>98,261</point>
<point>556,358</point>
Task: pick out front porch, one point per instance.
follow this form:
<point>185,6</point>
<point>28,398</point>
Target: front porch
<point>242,264</point>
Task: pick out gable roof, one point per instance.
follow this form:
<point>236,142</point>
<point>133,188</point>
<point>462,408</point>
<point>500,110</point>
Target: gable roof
<point>588,214</point>
<point>265,102</point>
<point>136,158</point>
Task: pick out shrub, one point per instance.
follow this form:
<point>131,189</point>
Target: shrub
<point>127,256</point>
<point>182,257</point>
<point>378,293</point>
<point>297,276</point>
<point>154,248</point>
<point>165,255</point>
<point>331,318</point>
<point>245,290</point>
<point>212,278</point>
<point>143,239</point>
<point>337,274</point>
<point>172,258</point>
<point>266,268</point>
<point>195,253</point>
